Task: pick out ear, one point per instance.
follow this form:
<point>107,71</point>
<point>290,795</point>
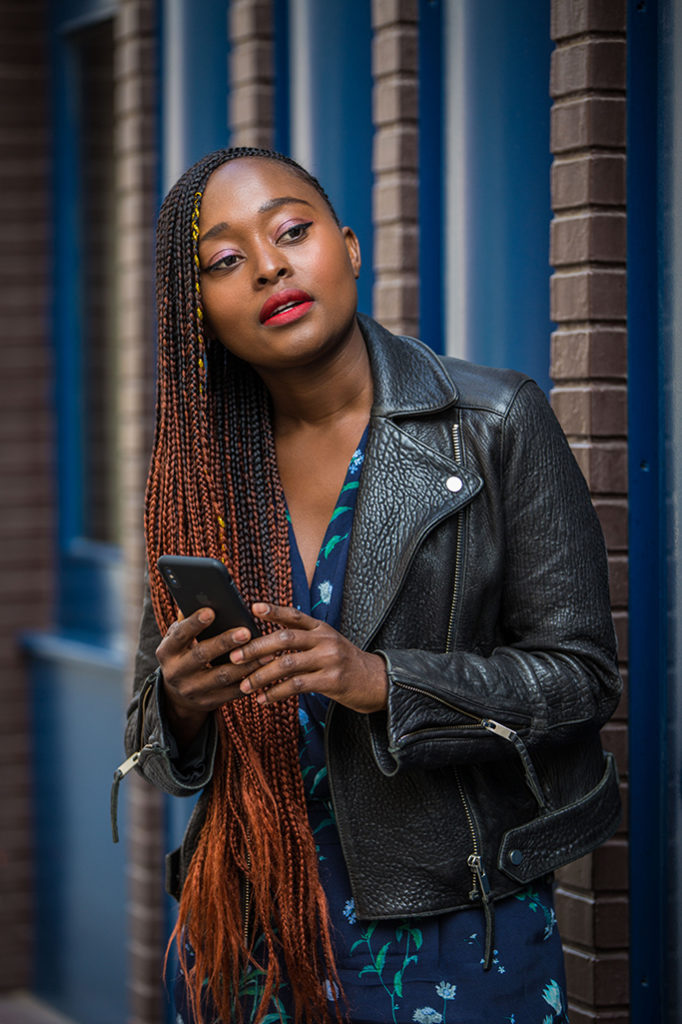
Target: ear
<point>353,247</point>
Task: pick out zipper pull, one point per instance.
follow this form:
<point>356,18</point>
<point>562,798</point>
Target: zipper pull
<point>476,864</point>
<point>531,775</point>
<point>119,774</point>
<point>498,729</point>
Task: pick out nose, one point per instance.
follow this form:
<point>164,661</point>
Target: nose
<point>271,264</point>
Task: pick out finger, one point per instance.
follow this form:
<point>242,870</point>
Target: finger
<point>287,666</point>
<point>209,650</point>
<point>284,615</point>
<point>182,632</point>
<point>271,645</point>
<point>286,688</point>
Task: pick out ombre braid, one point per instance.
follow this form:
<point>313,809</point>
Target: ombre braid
<point>213,489</point>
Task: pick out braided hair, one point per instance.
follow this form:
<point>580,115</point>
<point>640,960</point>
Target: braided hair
<point>213,489</point>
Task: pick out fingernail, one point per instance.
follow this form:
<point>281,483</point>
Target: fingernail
<point>205,615</point>
<point>245,687</point>
<point>260,608</point>
<point>241,636</point>
<point>236,656</point>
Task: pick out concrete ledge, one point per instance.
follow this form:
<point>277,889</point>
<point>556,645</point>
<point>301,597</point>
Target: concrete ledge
<point>23,1008</point>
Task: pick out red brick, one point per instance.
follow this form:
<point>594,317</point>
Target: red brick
<point>395,99</point>
<point>606,869</point>
<point>587,1015</point>
<point>588,121</point>
<point>615,739</point>
<point>390,12</point>
<point>588,179</point>
<point>618,580</point>
<point>574,17</point>
<point>601,981</point>
<point>589,353</point>
<point>604,465</point>
<point>592,921</point>
<point>589,294</point>
<point>588,237</point>
<point>395,50</point>
<point>595,64</point>
<point>613,516</point>
<point>585,410</point>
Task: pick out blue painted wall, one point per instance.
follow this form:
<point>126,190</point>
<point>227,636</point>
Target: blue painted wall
<point>507,183</point>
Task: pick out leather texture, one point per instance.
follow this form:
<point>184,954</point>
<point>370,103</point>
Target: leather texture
<point>477,569</point>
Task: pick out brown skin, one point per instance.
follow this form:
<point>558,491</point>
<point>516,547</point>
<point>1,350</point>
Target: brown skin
<point>262,230</point>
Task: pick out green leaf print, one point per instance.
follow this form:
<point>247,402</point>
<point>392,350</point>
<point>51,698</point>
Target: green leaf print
<point>381,957</point>
<point>398,983</point>
<point>351,486</point>
<point>338,511</point>
<point>331,544</point>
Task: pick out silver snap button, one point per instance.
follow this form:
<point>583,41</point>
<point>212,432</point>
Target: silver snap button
<point>454,484</point>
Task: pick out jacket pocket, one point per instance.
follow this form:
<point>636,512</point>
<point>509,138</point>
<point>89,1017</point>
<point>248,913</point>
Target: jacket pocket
<point>554,839</point>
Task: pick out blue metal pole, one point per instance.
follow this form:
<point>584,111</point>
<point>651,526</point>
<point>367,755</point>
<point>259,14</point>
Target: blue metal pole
<point>647,654</point>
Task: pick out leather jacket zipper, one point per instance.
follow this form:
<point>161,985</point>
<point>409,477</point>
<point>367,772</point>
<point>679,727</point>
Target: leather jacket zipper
<point>457,572</point>
<point>119,775</point>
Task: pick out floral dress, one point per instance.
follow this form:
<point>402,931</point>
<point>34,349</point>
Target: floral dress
<point>427,970</point>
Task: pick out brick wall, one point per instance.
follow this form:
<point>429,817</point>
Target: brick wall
<point>589,365</point>
<point>395,162</point>
<point>135,143</point>
<point>26,448</point>
<point>251,114</point>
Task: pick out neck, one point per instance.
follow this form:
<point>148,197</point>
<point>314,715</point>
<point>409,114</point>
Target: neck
<point>336,388</point>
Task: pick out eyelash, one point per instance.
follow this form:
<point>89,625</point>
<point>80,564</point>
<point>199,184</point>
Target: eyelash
<point>303,228</point>
<point>221,264</point>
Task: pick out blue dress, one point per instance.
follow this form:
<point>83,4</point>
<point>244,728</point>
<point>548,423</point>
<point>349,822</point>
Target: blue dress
<point>425,970</point>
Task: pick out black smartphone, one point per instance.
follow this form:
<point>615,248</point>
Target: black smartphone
<point>206,583</point>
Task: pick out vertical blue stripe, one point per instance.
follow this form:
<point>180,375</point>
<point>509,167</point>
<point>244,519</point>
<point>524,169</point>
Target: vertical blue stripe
<point>649,893</point>
<point>280,55</point>
<point>431,255</point>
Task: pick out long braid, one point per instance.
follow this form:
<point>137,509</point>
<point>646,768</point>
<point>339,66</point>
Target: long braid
<point>213,489</point>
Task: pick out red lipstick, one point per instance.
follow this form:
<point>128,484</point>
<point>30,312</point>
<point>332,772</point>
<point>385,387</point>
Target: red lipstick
<point>285,306</point>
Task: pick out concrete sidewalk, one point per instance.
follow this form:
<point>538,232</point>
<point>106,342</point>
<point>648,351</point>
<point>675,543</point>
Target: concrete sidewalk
<point>22,1008</point>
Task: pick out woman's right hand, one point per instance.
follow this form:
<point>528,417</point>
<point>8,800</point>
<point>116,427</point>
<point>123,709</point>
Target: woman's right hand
<point>193,687</point>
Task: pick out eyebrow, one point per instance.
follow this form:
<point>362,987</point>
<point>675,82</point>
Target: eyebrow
<point>271,204</point>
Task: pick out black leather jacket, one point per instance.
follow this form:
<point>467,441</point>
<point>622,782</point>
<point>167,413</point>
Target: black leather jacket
<point>477,569</point>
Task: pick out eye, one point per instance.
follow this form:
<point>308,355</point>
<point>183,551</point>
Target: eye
<point>295,233</point>
<point>225,262</point>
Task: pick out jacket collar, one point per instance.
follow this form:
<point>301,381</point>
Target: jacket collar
<point>404,491</point>
<point>408,377</point>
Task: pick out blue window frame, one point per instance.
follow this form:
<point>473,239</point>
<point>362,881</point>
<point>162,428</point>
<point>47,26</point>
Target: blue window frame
<point>497,183</point>
<point>88,572</point>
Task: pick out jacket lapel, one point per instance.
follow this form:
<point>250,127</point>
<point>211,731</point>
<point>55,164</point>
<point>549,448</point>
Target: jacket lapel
<point>405,490</point>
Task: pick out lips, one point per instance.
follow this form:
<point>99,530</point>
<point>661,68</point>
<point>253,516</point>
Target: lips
<point>285,306</point>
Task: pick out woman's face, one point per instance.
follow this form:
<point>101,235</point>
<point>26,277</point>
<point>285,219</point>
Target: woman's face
<point>277,273</point>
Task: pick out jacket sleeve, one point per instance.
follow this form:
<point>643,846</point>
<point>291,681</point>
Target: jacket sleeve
<point>147,730</point>
<point>553,672</point>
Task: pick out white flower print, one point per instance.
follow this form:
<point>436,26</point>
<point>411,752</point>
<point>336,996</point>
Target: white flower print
<point>427,1015</point>
<point>349,911</point>
<point>325,590</point>
<point>445,990</point>
<point>331,990</point>
<point>356,461</point>
<point>552,994</point>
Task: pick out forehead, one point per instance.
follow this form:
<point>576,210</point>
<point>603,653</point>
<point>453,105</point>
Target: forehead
<point>246,183</point>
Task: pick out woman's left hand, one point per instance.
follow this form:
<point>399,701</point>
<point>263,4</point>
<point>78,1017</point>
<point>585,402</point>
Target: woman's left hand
<point>307,655</point>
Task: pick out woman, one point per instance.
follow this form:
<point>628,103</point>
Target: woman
<point>393,769</point>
